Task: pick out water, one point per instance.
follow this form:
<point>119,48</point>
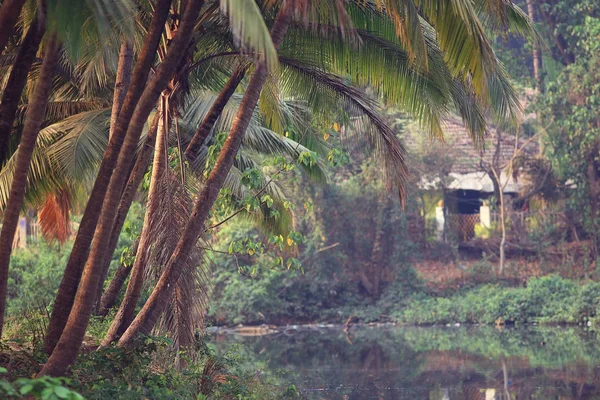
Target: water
<point>481,363</point>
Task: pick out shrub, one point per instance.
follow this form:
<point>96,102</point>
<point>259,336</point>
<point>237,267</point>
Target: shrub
<point>549,299</point>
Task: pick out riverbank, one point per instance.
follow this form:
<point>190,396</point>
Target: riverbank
<point>550,300</point>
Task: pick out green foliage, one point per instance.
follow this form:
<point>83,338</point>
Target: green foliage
<point>256,287</point>
<point>549,299</point>
<point>34,276</point>
<point>150,370</point>
<point>44,388</point>
<point>35,272</point>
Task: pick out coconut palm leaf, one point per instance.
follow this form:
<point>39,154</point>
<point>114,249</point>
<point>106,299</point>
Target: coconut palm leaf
<point>249,30</point>
<point>60,110</point>
<point>54,216</point>
<point>76,20</point>
<point>258,137</point>
<point>324,90</point>
<point>185,311</point>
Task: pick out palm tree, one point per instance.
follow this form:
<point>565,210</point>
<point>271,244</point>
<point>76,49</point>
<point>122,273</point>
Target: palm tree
<point>18,79</point>
<point>431,77</point>
<point>85,13</point>
<point>74,269</point>
<point>68,345</point>
<point>482,70</point>
<point>159,167</point>
<point>33,123</point>
<point>79,254</point>
<point>147,317</point>
<point>9,13</point>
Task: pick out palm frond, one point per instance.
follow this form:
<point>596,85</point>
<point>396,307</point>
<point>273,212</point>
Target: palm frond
<point>77,20</point>
<point>82,143</point>
<point>60,110</point>
<point>54,215</point>
<point>323,90</point>
<point>249,29</point>
<point>407,22</point>
<point>184,313</point>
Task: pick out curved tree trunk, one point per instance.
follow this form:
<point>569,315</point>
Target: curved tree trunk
<point>72,274</point>
<point>147,317</point>
<point>122,82</point>
<point>134,288</point>
<point>17,81</point>
<point>215,111</point>
<point>9,13</point>
<point>135,179</point>
<point>111,294</point>
<point>68,345</point>
<point>33,122</point>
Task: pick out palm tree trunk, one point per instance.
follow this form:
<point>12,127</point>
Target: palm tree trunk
<point>67,347</point>
<point>536,53</point>
<point>9,13</point>
<point>33,122</point>
<point>122,81</point>
<point>72,275</point>
<point>109,298</point>
<point>18,79</point>
<point>127,309</point>
<point>214,113</point>
<point>147,317</point>
<point>135,179</point>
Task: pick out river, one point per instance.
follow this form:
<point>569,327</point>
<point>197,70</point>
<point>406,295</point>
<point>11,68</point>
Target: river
<point>450,363</point>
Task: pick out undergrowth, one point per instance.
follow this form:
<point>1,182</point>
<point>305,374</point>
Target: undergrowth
<point>150,370</point>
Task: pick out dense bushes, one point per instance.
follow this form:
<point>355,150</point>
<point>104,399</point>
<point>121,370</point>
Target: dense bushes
<point>150,370</point>
<point>35,272</point>
<point>34,276</point>
<point>327,292</point>
<point>549,299</point>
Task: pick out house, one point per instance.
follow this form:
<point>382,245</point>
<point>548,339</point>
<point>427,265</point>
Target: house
<point>465,178</point>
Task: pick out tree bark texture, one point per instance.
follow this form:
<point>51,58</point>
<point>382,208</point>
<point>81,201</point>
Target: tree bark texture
<point>9,14</point>
<point>214,113</point>
<point>147,317</point>
<point>134,288</point>
<point>68,345</point>
<point>123,79</point>
<point>135,179</point>
<point>33,123</point>
<point>18,79</point>
<point>79,253</point>
<point>536,53</point>
<point>111,294</point>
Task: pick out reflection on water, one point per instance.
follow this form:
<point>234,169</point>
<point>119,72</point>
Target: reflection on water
<point>431,363</point>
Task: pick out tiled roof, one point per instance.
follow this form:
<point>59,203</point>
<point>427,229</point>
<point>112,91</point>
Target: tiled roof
<point>460,148</point>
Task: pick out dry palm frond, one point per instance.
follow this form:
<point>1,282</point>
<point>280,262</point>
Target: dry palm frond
<point>54,216</point>
<point>185,311</point>
<point>213,372</point>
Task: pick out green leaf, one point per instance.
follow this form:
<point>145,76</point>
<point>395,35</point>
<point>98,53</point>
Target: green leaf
<point>26,389</point>
<point>249,29</point>
<point>62,392</point>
